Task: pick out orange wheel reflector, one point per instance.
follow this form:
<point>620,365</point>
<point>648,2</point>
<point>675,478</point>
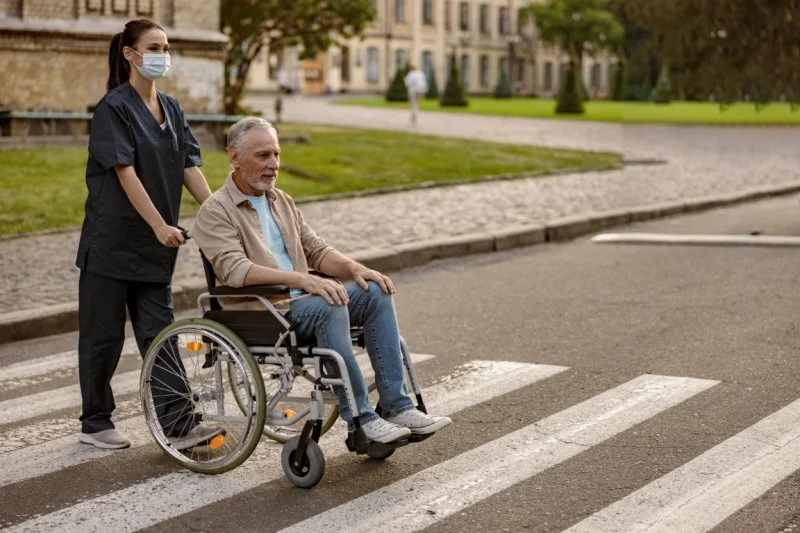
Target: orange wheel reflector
<point>289,413</point>
<point>195,346</point>
<point>217,442</point>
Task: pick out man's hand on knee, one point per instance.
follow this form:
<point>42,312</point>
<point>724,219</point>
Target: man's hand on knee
<point>331,291</point>
<point>362,275</point>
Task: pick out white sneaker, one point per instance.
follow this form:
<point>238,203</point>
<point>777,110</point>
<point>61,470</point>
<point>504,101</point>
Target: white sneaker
<point>384,432</point>
<point>108,439</point>
<point>418,422</point>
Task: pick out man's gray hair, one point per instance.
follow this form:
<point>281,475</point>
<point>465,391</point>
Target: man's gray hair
<point>237,131</point>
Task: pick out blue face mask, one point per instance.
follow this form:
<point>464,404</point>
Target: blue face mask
<point>154,66</point>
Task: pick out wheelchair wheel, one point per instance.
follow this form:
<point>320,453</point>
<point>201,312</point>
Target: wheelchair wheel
<point>297,400</point>
<point>186,376</point>
<point>310,471</point>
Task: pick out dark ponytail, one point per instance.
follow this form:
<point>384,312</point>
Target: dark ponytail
<point>119,70</point>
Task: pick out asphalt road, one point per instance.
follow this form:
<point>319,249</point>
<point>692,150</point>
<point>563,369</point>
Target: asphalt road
<point>720,322</point>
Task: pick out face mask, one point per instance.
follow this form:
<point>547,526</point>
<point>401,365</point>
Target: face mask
<point>154,66</point>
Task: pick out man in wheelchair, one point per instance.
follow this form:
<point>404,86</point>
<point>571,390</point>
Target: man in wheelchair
<point>253,234</point>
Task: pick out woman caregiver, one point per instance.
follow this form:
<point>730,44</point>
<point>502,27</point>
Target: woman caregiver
<point>141,154</point>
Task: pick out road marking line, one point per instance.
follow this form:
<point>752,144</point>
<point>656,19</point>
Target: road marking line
<point>25,371</point>
<point>51,444</point>
<point>159,499</point>
<point>435,493</point>
<point>703,492</point>
<point>702,240</point>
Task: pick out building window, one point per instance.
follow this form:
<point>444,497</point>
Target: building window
<point>447,24</point>
<point>427,12</point>
<point>521,70</point>
<point>465,70</point>
<point>485,19</point>
<point>548,76</point>
<point>484,71</point>
<point>503,21</point>
<point>372,65</point>
<point>463,16</point>
<point>346,63</point>
<point>400,59</point>
<point>400,11</point>
<point>427,64</point>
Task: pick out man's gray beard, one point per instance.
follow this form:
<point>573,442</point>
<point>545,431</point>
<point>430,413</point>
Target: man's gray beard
<point>257,185</point>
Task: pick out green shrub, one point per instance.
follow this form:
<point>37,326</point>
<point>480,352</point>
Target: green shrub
<point>569,97</point>
<point>662,92</point>
<point>619,92</point>
<point>454,91</point>
<point>398,92</point>
<point>503,89</point>
<point>433,87</point>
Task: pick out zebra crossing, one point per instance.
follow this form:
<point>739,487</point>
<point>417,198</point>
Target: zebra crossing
<point>38,439</point>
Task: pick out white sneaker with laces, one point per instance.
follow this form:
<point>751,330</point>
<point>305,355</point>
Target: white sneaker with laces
<point>384,432</point>
<point>418,422</point>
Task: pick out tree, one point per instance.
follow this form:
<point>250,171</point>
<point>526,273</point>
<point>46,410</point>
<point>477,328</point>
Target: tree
<point>312,24</point>
<point>503,89</point>
<point>727,50</point>
<point>433,88</point>
<point>398,92</point>
<point>578,27</point>
<point>454,90</point>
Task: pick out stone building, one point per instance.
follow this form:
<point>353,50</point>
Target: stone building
<point>484,35</point>
<point>54,53</point>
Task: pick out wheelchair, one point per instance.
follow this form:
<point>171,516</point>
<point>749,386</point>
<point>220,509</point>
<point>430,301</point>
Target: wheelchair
<point>244,371</point>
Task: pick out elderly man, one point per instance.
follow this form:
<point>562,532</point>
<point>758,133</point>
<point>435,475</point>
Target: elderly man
<point>252,233</point>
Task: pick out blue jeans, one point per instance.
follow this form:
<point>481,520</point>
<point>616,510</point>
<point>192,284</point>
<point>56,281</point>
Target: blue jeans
<point>329,326</point>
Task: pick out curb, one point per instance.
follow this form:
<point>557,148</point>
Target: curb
<point>62,318</point>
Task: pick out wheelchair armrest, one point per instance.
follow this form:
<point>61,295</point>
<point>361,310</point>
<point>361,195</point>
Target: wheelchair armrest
<point>319,274</point>
<point>248,290</point>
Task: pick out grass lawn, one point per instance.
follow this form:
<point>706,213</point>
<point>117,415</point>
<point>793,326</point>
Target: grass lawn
<point>45,188</point>
<point>607,111</point>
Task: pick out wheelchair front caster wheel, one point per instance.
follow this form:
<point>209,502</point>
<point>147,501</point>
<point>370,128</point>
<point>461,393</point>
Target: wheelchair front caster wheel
<point>309,471</point>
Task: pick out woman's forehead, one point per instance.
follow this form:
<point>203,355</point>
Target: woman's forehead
<point>152,36</point>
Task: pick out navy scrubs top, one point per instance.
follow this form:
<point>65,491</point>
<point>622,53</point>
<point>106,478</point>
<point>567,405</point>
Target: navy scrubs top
<point>116,241</point>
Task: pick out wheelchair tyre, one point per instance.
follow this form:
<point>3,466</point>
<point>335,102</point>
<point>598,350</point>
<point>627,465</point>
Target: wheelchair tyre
<point>310,472</point>
<point>186,363</point>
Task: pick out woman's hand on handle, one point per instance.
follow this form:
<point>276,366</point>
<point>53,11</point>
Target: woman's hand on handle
<point>169,236</point>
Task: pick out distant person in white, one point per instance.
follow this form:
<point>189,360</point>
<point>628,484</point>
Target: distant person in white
<point>417,85</point>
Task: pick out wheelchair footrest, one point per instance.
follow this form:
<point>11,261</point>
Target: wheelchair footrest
<point>379,448</point>
<point>374,447</point>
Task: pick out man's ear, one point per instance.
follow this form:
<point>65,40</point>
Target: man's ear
<point>233,157</point>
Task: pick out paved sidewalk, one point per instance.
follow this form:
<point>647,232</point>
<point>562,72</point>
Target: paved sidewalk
<point>38,271</point>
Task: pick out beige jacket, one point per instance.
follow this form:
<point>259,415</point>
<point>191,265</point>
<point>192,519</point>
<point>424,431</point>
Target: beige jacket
<point>228,232</point>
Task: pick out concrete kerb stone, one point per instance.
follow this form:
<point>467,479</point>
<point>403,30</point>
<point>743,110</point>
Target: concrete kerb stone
<point>61,318</point>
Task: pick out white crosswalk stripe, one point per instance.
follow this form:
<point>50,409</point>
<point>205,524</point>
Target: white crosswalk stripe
<point>694,498</point>
<point>705,491</point>
<point>65,451</point>
<point>164,497</point>
<point>420,500</point>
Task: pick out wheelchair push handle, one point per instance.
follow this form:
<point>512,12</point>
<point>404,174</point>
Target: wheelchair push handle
<point>187,233</point>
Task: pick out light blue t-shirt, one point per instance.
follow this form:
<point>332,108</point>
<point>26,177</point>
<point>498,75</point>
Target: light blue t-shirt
<point>272,236</point>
